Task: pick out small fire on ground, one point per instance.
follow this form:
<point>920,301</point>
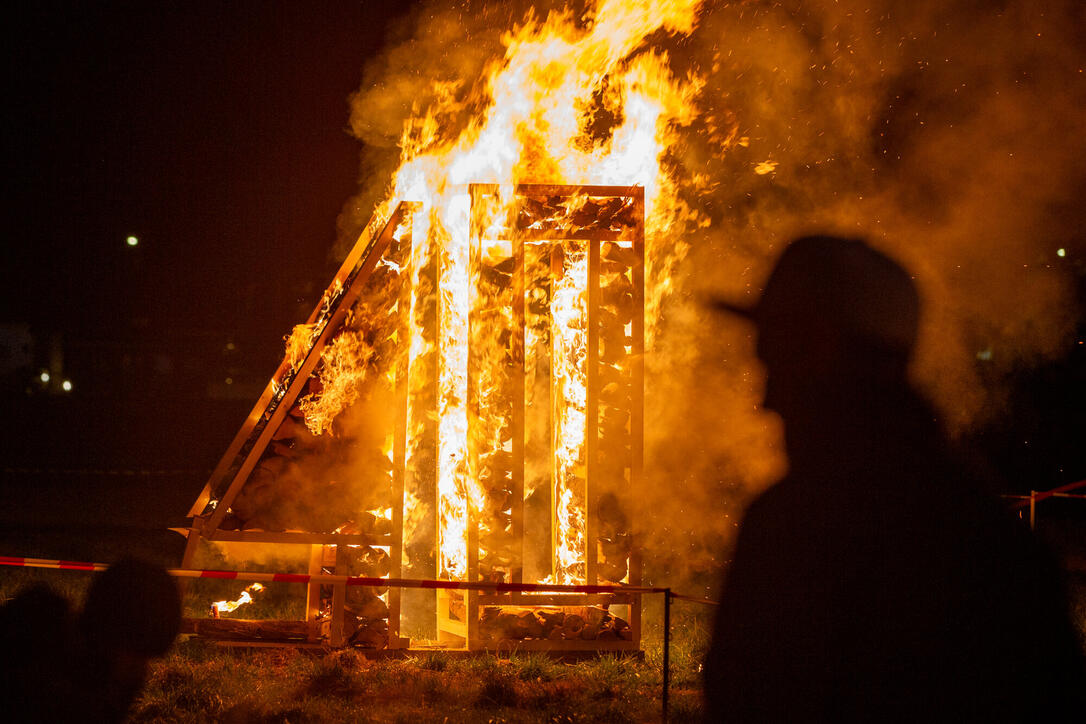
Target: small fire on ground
<point>246,596</point>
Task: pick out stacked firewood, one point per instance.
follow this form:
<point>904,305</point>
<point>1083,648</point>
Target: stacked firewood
<point>618,305</point>
<point>493,379</point>
<point>576,213</point>
<point>590,623</point>
<point>538,425</point>
<point>365,613</point>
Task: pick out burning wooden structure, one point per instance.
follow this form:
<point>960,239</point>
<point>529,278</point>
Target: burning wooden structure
<point>478,400</point>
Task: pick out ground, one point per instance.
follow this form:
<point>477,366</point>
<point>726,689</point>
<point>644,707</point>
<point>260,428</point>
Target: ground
<point>201,682</point>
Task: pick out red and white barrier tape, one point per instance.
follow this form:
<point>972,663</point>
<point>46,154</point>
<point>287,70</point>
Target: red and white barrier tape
<point>1037,497</point>
<point>348,580</point>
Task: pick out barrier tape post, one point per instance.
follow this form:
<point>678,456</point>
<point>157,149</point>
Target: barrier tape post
<point>667,652</point>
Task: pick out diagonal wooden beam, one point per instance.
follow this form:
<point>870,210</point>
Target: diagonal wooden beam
<point>330,315</point>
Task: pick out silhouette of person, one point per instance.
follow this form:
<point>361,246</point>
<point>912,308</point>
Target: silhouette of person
<point>132,614</point>
<point>37,631</point>
<point>55,666</point>
<point>880,580</point>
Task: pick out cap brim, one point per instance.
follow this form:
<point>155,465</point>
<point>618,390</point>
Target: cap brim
<point>726,306</point>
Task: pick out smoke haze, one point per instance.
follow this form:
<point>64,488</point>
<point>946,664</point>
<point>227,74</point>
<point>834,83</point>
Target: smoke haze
<point>949,133</point>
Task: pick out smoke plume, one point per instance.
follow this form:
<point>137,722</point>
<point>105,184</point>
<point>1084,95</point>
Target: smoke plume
<point>949,133</point>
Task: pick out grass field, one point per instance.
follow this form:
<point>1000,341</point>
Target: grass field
<point>201,682</point>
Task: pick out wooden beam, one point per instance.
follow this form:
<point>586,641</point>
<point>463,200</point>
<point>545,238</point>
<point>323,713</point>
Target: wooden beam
<point>255,415</point>
<point>366,260</point>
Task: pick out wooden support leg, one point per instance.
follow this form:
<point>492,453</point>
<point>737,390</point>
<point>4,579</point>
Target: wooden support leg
<point>313,591</point>
<point>188,558</point>
<point>336,637</point>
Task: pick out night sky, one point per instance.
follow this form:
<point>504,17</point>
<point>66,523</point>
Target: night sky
<point>216,133</point>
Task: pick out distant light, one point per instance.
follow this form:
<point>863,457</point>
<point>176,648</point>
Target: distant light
<point>1061,252</point>
<point>66,385</point>
<point>230,346</point>
<point>132,241</point>
<point>229,380</point>
<point>44,376</point>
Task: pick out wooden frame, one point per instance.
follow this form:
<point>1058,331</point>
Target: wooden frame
<point>466,631</point>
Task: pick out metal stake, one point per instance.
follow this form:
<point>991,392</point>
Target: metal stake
<point>667,649</point>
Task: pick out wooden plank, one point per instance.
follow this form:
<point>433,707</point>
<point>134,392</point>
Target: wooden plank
<point>336,636</point>
<point>518,353</point>
<point>559,189</point>
<point>261,629</point>
<point>562,645</point>
<point>313,590</point>
<point>574,234</point>
<point>555,599</point>
<point>577,190</point>
<point>637,398</point>
<point>399,441</point>
<point>262,536</point>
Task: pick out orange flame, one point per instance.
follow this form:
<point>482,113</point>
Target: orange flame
<point>539,125</point>
<point>245,597</point>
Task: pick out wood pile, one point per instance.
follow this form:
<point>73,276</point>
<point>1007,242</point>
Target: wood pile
<point>586,623</point>
<point>577,214</point>
<point>495,394</point>
<point>616,389</point>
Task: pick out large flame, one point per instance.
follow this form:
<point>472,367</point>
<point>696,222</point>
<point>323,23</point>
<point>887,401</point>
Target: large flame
<point>573,101</point>
<point>537,129</point>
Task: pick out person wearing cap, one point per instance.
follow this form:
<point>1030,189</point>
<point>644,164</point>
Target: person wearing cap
<point>881,579</point>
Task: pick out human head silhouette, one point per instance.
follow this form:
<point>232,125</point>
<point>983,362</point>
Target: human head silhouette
<point>133,606</point>
<point>836,323</point>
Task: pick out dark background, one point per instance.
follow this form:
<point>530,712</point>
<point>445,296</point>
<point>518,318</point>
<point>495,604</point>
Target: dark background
<point>214,132</point>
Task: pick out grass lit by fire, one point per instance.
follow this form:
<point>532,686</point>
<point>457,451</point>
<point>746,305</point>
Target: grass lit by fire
<point>198,682</point>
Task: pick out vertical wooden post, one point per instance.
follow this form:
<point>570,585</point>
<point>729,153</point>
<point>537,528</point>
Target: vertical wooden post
<point>667,653</point>
<point>476,225</point>
<point>637,392</point>
<point>592,403</point>
<point>399,443</point>
<point>336,636</point>
<point>1033,510</point>
<point>313,590</point>
<point>517,341</point>
<point>192,543</point>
